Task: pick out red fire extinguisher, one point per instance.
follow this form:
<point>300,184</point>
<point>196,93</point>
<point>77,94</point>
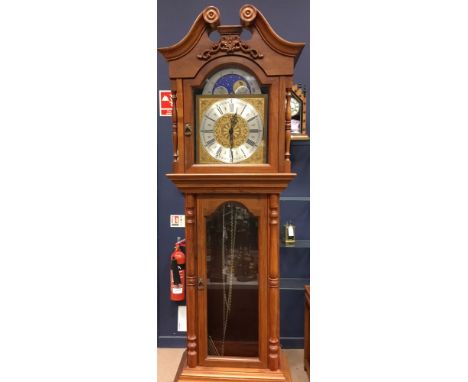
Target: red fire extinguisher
<point>177,274</point>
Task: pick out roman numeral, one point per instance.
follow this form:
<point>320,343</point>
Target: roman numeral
<point>219,109</point>
<point>251,143</point>
<point>208,131</point>
<point>254,131</point>
<point>251,119</point>
<point>231,107</point>
<point>243,110</point>
<point>245,155</point>
<point>210,142</point>
<point>211,119</point>
<point>218,153</point>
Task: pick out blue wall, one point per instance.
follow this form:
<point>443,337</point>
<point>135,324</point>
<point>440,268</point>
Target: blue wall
<point>290,19</point>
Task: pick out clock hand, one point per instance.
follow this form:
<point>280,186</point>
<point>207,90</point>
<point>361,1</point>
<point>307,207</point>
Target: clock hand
<point>231,134</point>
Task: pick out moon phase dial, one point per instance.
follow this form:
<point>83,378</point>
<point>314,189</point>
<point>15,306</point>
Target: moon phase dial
<point>231,81</point>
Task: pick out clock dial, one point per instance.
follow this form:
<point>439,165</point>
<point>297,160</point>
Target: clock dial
<point>295,107</point>
<point>231,81</point>
<point>231,130</point>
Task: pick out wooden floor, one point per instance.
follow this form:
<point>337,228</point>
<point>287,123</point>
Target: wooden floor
<point>168,361</point>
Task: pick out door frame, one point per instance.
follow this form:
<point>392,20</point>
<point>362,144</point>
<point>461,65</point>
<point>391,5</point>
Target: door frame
<point>257,205</point>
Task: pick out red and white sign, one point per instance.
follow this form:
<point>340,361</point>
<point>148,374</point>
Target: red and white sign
<point>178,221</point>
<point>165,103</point>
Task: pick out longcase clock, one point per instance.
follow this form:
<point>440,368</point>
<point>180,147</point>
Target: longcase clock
<point>231,133</point>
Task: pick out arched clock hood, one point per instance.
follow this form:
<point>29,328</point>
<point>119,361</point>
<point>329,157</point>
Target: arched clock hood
<point>278,55</point>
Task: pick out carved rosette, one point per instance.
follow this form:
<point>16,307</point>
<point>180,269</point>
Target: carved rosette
<point>229,45</point>
<point>211,16</point>
<point>247,14</point>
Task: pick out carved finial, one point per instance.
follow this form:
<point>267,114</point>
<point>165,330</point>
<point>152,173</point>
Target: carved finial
<point>211,15</point>
<point>247,14</point>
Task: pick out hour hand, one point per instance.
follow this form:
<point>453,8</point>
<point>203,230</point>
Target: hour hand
<point>231,134</point>
<point>231,129</point>
<point>233,120</point>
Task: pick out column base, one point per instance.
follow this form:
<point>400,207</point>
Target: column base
<point>231,374</point>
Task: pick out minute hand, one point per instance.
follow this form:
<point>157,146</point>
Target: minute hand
<point>231,134</point>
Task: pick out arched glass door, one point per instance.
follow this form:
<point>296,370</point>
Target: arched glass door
<point>232,281</point>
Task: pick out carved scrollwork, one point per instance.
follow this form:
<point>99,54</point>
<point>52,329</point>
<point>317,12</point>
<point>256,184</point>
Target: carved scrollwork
<point>229,45</point>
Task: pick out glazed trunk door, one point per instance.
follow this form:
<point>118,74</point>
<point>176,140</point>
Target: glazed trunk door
<point>232,293</point>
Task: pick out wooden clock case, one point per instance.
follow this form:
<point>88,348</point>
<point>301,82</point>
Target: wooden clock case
<point>271,60</point>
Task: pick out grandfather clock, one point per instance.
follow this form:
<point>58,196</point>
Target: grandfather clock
<point>231,133</point>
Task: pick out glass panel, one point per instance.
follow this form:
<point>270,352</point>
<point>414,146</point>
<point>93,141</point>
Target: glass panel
<point>232,281</point>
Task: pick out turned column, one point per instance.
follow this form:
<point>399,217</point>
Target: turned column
<point>192,341</point>
<point>273,286</point>
<point>175,144</point>
<point>287,127</point>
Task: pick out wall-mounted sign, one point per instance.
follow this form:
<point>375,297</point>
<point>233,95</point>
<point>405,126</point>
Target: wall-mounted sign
<point>165,103</point>
<point>178,221</point>
<point>182,318</point>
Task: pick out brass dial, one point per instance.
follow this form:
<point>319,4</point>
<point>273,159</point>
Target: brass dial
<point>231,130</point>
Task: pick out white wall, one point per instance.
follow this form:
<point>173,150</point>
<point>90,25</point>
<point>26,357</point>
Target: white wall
<point>389,199</point>
<point>388,104</point>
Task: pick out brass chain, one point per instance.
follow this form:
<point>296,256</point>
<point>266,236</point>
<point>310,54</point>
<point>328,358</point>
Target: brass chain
<point>227,302</point>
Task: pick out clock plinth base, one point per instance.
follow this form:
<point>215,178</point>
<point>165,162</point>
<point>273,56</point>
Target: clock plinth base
<point>230,374</point>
